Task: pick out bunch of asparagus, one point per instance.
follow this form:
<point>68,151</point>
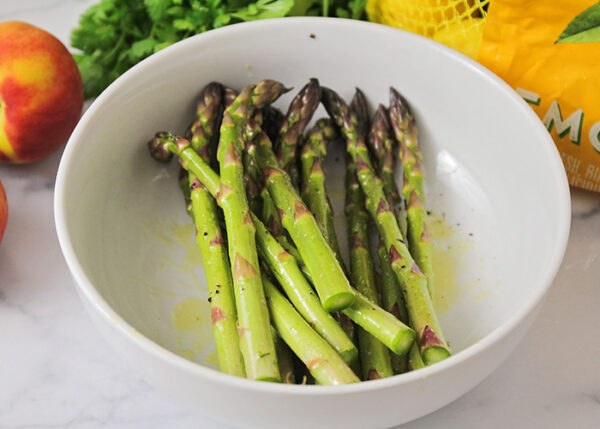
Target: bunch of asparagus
<point>284,306</point>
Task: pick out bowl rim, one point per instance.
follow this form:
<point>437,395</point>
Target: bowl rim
<point>109,315</point>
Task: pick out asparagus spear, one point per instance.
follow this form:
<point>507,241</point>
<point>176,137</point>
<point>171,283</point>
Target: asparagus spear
<point>269,213</point>
<point>384,326</point>
<point>382,145</point>
<point>205,123</point>
<point>432,345</point>
<point>218,280</point>
<point>298,116</point>
<point>252,174</point>
<point>374,357</point>
<point>314,195</point>
<point>201,131</point>
<point>285,269</point>
<point>271,119</point>
<point>392,301</point>
<point>349,328</point>
<point>405,129</point>
<point>360,108</point>
<point>327,274</point>
<point>323,362</point>
<point>256,342</point>
<point>419,242</point>
<point>313,192</point>
<point>210,239</point>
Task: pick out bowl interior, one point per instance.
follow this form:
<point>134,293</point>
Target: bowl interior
<point>490,175</point>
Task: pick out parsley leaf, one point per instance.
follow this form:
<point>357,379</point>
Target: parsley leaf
<point>264,9</point>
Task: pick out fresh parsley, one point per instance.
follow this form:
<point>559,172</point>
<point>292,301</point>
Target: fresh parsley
<point>114,35</point>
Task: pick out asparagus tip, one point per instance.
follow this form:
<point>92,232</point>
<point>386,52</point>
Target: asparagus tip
<point>360,108</point>
<point>268,90</point>
<point>229,95</point>
<point>380,118</point>
<point>158,147</point>
<point>398,102</point>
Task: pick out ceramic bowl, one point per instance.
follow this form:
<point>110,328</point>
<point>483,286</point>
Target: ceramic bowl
<point>496,188</point>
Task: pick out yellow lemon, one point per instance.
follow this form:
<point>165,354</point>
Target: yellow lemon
<point>464,36</point>
<point>455,23</point>
<point>423,17</point>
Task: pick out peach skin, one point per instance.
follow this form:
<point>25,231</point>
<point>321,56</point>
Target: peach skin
<point>41,93</point>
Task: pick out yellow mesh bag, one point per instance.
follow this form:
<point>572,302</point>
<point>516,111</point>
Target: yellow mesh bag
<point>455,23</point>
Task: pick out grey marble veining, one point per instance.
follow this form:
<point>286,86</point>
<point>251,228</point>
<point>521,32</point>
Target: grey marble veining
<point>57,372</point>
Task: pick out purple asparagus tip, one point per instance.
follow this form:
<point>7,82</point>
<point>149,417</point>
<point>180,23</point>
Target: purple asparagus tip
<point>158,147</point>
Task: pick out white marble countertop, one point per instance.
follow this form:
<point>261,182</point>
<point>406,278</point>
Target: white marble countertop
<point>57,372</point>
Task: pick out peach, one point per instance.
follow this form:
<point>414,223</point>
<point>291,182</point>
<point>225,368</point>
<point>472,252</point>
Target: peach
<point>41,93</point>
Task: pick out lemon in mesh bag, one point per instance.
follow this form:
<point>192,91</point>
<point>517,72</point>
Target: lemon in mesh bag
<point>455,23</point>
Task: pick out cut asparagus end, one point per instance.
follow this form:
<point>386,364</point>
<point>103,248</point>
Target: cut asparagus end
<point>435,354</point>
<point>338,301</point>
<point>349,355</point>
<point>403,341</point>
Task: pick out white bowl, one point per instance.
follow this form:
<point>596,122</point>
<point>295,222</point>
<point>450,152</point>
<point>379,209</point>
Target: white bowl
<point>490,165</point>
